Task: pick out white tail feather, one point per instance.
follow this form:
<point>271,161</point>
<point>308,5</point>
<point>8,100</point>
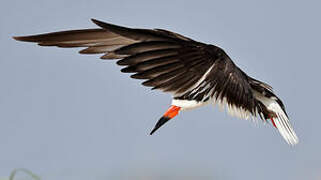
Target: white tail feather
<point>282,122</point>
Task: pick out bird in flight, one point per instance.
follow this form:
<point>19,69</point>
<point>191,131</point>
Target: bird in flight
<point>194,73</point>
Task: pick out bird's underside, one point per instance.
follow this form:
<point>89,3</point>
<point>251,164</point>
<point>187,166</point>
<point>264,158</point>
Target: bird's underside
<point>193,72</point>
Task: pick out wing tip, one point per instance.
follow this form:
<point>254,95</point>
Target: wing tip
<point>95,20</point>
<point>32,38</point>
<point>16,38</point>
<point>100,23</point>
<point>111,27</point>
<point>21,38</point>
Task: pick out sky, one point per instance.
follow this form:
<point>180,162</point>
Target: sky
<point>69,116</point>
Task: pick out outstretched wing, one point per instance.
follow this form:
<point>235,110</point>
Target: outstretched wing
<point>166,60</point>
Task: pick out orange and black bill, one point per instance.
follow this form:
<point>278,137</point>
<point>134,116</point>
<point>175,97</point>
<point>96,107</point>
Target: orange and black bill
<point>169,114</point>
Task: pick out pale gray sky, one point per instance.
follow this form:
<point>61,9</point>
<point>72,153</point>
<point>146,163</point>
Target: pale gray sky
<point>70,116</point>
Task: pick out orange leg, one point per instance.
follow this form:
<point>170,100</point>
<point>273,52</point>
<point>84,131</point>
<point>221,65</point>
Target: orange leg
<point>272,121</point>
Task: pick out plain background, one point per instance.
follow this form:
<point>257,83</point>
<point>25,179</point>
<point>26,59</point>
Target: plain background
<point>70,116</point>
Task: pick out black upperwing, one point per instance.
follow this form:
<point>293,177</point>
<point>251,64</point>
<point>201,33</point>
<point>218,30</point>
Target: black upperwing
<point>167,61</point>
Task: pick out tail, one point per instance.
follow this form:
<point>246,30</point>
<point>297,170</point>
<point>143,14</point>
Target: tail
<point>274,110</point>
<point>169,114</point>
<point>281,122</point>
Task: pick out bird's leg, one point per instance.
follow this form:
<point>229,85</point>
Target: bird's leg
<point>169,114</point>
<point>272,121</point>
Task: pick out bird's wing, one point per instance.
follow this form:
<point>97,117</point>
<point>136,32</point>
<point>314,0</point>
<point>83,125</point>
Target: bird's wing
<point>166,60</point>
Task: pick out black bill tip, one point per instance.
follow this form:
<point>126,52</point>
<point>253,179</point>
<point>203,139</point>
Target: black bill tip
<point>160,123</point>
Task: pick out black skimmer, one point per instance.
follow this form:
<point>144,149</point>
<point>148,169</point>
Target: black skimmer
<point>195,73</point>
